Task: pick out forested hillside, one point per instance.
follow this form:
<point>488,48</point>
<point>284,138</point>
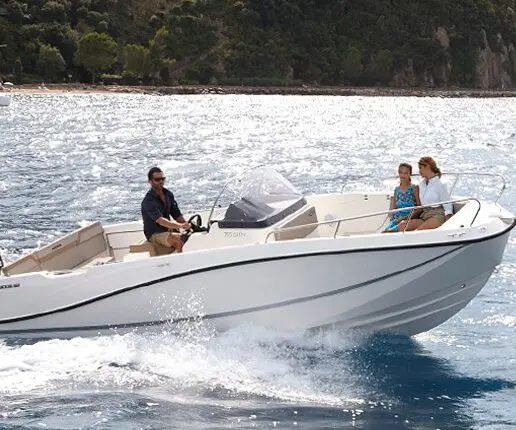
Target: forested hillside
<point>469,43</point>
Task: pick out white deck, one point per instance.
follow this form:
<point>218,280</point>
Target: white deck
<point>324,216</point>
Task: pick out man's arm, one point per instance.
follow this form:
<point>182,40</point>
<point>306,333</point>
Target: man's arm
<point>169,223</point>
<point>176,214</point>
<point>154,213</point>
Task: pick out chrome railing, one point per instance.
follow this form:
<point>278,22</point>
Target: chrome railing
<point>493,175</point>
<point>387,213</point>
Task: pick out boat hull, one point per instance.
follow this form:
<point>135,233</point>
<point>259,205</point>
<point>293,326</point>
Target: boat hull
<point>406,289</point>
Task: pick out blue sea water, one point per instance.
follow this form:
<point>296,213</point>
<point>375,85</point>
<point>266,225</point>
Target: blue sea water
<point>70,159</point>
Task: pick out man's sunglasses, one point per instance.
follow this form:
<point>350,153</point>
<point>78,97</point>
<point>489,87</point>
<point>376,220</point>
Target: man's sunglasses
<point>162,179</point>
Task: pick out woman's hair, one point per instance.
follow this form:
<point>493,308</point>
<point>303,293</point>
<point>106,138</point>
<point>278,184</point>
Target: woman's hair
<point>429,161</point>
<point>407,165</point>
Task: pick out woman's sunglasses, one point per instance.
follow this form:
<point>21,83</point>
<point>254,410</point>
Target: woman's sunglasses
<point>162,179</point>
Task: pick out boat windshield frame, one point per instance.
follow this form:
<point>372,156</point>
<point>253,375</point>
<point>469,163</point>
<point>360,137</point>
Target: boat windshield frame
<point>256,198</point>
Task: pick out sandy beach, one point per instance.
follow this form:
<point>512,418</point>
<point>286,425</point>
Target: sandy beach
<point>286,90</point>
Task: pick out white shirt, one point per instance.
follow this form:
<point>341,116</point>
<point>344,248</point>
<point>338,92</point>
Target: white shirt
<point>434,192</point>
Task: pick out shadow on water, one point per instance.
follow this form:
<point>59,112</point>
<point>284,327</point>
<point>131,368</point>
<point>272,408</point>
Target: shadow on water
<point>423,390</point>
<point>400,385</point>
<point>404,369</point>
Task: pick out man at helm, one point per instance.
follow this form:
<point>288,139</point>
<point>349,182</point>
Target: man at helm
<point>161,215</point>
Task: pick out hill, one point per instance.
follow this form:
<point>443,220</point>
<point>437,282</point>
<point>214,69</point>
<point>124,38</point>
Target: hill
<point>399,43</point>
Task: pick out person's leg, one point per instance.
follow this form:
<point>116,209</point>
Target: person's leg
<point>430,224</point>
<point>166,241</point>
<point>174,240</point>
<point>392,227</point>
<point>413,224</point>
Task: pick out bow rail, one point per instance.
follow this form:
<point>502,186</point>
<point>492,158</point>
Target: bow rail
<point>387,213</point>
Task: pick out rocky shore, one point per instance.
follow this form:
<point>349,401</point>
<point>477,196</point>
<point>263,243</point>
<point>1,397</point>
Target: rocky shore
<point>286,90</point>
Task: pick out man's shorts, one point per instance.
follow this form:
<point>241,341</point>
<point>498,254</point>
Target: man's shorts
<point>163,247</point>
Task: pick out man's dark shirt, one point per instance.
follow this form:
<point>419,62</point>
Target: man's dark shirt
<point>153,208</point>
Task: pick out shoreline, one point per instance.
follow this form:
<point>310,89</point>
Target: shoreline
<point>251,90</point>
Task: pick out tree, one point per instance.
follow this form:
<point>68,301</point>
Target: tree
<point>159,60</point>
<point>14,11</point>
<point>50,62</point>
<point>351,64</point>
<point>380,67</point>
<point>96,51</point>
<point>137,60</point>
<point>54,11</point>
<point>18,70</point>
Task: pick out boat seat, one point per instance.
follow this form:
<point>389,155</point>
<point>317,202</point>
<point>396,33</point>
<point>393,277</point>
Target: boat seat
<point>137,256</point>
<point>99,261</point>
<point>307,215</point>
<point>152,248</point>
<point>66,253</point>
<point>468,211</point>
<point>458,206</point>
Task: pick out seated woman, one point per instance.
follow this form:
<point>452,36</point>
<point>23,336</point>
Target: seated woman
<point>431,190</point>
<point>406,195</point>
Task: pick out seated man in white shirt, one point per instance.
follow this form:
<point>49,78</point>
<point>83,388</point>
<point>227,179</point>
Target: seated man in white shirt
<point>431,190</point>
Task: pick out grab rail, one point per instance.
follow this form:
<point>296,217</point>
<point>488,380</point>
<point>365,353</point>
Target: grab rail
<point>458,175</point>
<point>372,214</point>
<point>495,175</point>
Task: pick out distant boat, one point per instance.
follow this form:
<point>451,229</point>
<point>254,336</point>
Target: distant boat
<point>5,96</point>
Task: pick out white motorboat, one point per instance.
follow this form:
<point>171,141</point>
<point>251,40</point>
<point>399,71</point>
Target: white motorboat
<point>5,93</point>
<point>271,257</point>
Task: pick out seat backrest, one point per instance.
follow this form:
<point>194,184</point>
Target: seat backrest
<point>64,254</point>
<point>143,246</point>
<point>307,215</point>
<point>457,206</point>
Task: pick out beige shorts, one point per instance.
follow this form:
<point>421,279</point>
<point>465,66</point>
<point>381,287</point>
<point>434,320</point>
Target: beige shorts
<point>160,241</point>
<point>437,213</point>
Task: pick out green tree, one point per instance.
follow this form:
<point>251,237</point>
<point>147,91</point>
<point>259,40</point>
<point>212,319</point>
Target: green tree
<point>54,11</point>
<point>102,27</point>
<point>18,70</point>
<point>137,60</point>
<point>14,11</point>
<point>351,65</point>
<point>50,62</point>
<point>158,54</point>
<point>380,67</point>
<point>96,51</point>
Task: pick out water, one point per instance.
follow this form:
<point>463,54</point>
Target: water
<point>71,159</point>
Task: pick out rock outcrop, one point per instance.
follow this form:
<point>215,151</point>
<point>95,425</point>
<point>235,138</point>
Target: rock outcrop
<point>495,66</point>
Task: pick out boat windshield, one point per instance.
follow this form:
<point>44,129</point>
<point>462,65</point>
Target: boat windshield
<point>258,198</point>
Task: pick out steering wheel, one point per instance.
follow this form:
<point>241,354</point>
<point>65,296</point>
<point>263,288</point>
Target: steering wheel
<point>196,223</point>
